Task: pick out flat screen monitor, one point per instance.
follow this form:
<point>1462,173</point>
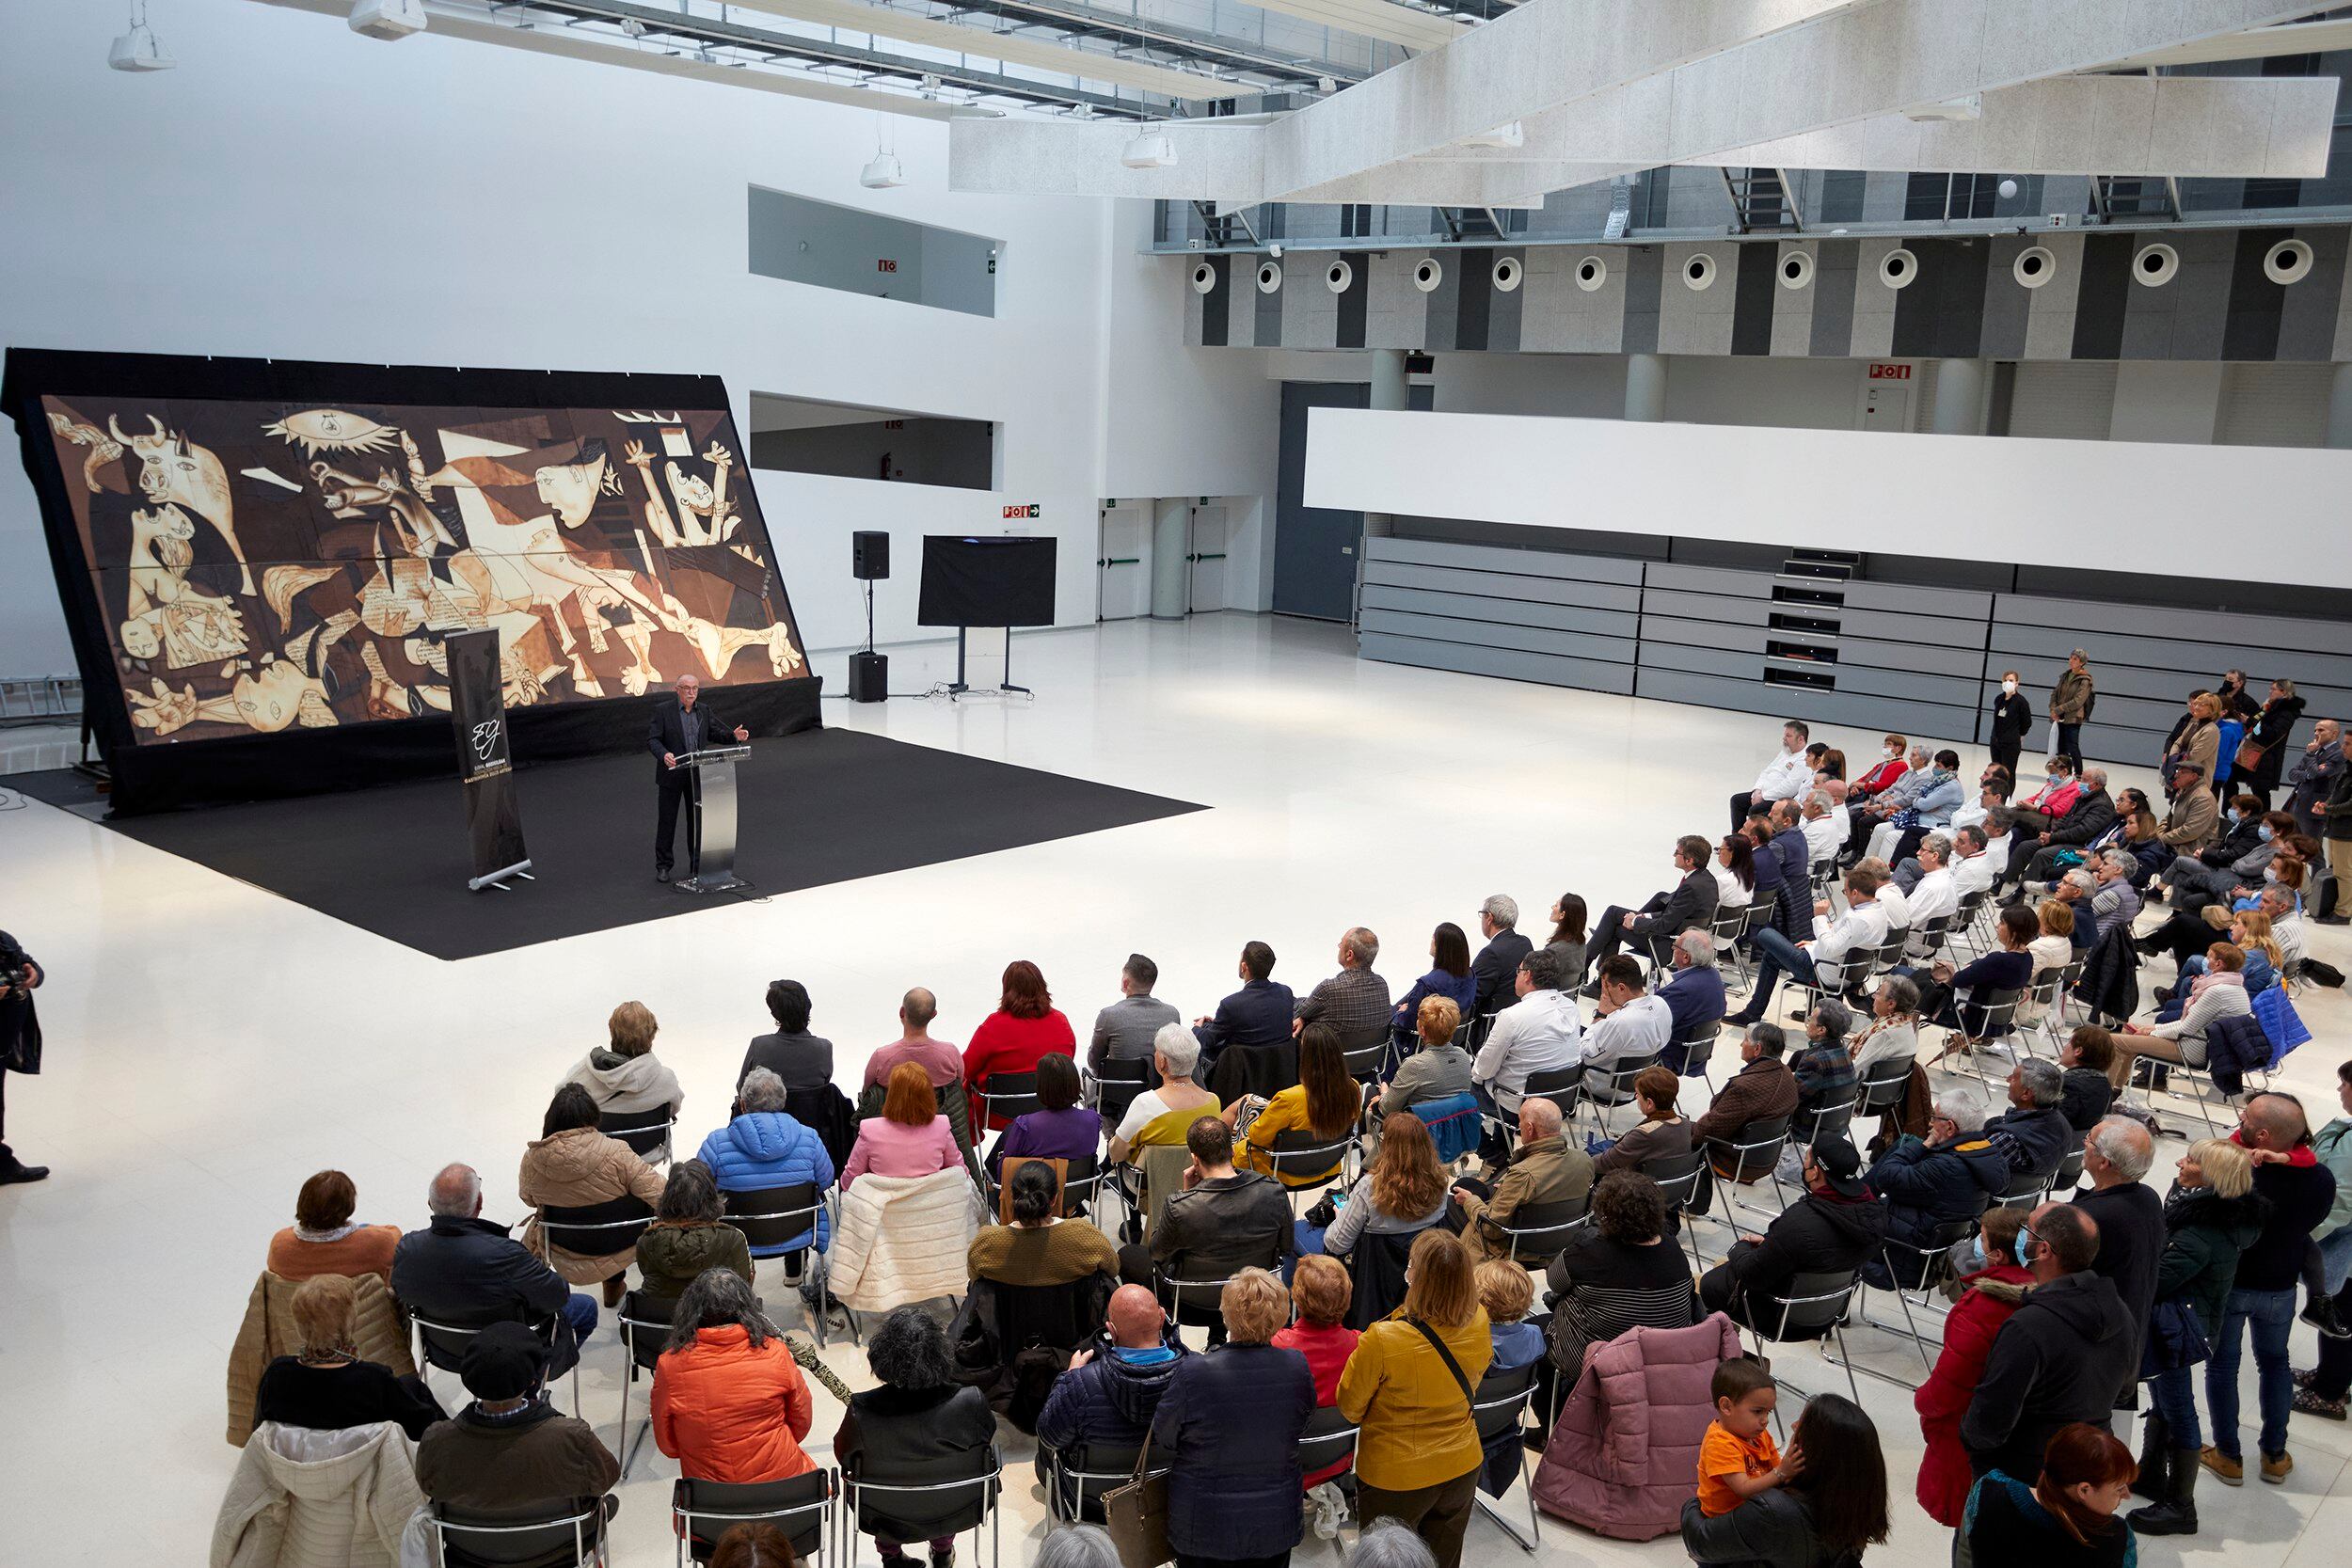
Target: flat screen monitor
<point>981,581</point>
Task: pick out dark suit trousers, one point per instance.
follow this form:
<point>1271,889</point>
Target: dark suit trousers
<point>1609,934</point>
<point>673,789</point>
<point>1740,804</point>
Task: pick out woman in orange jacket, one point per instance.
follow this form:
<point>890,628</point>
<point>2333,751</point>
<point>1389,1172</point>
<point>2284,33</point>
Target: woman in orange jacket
<point>729,1403</point>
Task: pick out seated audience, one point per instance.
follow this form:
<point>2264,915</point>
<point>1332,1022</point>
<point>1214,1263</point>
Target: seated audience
<point>1261,1013</point>
<point>1324,1104</point>
<point>1567,940</point>
<point>2066,1516</point>
<point>1355,1002</point>
<point>1499,961</point>
<point>1630,1024</point>
<point>1892,1036</point>
<point>2086,1092</point>
<point>1933,895</point>
<point>920,1428</point>
<point>1439,1070</point>
<point>1734,868</point>
<point>689,1235</point>
<point>2033,1134</point>
<point>1834,1227</point>
<point>1783,779</point>
<point>511,1446</point>
<point>1417,1447</point>
<point>1161,1116</point>
<point>1058,1129</point>
<point>1449,977</point>
<point>462,1268</point>
<point>1689,902</point>
<point>1952,1176</point>
<point>760,1544</point>
<point>621,1075</point>
<point>324,1385</point>
<point>1320,1291</point>
<point>1402,1192</point>
<point>1959,997</point>
<point>911,1136</point>
<point>1228,1429</point>
<point>763,1147</point>
<point>1992,1284</point>
<point>1107,1399</point>
<point>1893,762</point>
<point>1543,1170</point>
<point>1888,803</point>
<point>1505,1294</point>
<point>1025,1027</point>
<point>1762,1089</point>
<point>1839,949</point>
<point>802,1060</point>
<point>1623,1271</point>
<point>573,1165</point>
<point>1123,1031</point>
<point>1824,1072</point>
<point>941,1061</point>
<point>2114,900</point>
<point>2053,948</point>
<point>1663,1133</point>
<point>323,1240</point>
<point>2219,993</point>
<point>2211,1216</point>
<point>1223,1220</point>
<point>2194,812</point>
<point>2061,1357</point>
<point>1040,1248</point>
<point>729,1402</point>
<point>2049,839</point>
<point>1825,1517</point>
<point>1539,1033</point>
<point>1822,838</point>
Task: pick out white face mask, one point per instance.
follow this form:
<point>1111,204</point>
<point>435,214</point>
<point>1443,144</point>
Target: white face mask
<point>2008,689</point>
<point>1890,754</point>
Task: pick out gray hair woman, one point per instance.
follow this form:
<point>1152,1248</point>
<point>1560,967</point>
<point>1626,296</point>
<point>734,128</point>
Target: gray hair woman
<point>918,1429</point>
<point>1387,1543</point>
<point>1089,1546</point>
<point>762,1090</point>
<point>689,1235</point>
<point>729,1402</point>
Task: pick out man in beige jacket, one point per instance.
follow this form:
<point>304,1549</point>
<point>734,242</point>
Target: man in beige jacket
<point>1542,1170</point>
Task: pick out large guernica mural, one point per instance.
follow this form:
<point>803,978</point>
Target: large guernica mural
<point>262,566</point>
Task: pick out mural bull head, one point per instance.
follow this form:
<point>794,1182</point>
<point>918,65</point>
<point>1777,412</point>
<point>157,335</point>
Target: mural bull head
<point>174,468</point>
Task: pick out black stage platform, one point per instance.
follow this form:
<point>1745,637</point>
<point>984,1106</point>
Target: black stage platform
<point>822,806</point>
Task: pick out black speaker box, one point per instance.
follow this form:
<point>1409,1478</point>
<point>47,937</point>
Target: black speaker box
<point>869,677</point>
<point>869,555</point>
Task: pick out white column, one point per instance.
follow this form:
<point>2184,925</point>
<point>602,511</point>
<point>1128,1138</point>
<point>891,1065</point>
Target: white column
<point>1388,391</point>
<point>1959,398</point>
<point>1171,574</point>
<point>1645,388</point>
<point>2340,409</point>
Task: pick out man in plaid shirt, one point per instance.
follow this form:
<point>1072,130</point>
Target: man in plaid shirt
<point>1355,1001</point>
<point>1824,1069</point>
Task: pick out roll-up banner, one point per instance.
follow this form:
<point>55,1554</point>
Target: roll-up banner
<point>485,763</point>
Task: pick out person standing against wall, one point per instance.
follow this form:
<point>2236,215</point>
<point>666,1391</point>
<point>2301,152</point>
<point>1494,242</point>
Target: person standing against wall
<point>2070,707</point>
<point>2013,720</point>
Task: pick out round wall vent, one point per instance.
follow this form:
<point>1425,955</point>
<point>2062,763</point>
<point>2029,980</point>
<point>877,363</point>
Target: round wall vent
<point>1427,274</point>
<point>1338,277</point>
<point>2157,266</point>
<point>1269,279</point>
<point>1898,268</point>
<point>1796,270</point>
<point>2034,268</point>
<point>1698,271</point>
<point>1590,273</point>
<point>2289,261</point>
<point>1507,274</point>
<point>1204,277</point>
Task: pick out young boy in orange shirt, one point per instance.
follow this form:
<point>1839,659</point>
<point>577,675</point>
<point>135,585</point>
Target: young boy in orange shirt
<point>1738,1458</point>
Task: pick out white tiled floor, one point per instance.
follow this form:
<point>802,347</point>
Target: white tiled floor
<point>211,1045</point>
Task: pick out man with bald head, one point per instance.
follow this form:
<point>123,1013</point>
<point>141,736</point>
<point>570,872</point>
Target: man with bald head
<point>2117,1153</point>
<point>1543,1170</point>
<point>2060,1357</point>
<point>679,726</point>
<point>1107,1398</point>
<point>2301,1191</point>
<point>464,1270</point>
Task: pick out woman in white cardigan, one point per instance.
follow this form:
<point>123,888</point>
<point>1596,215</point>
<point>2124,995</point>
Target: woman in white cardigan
<point>2219,993</point>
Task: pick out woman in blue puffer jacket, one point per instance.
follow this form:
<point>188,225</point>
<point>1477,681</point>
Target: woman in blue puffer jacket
<point>764,1148</point>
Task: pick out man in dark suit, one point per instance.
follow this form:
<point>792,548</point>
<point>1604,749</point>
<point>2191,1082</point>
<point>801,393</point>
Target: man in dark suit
<point>1497,966</point>
<point>1654,926</point>
<point>1258,1013</point>
<point>678,727</point>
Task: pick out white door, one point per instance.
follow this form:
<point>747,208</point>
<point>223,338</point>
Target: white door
<point>1123,563</point>
<point>1209,539</point>
<point>1886,406</point>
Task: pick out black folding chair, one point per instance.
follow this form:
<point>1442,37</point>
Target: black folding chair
<point>781,1221</point>
<point>567,1530</point>
<point>1329,1438</point>
<point>1917,1267</point>
<point>985,1484</point>
<point>442,1343</point>
<point>593,1229</point>
<point>1882,1093</point>
<point>1537,1231</point>
<point>1075,1481</point>
<point>1302,1163</point>
<point>1499,1406</point>
<point>1696,1041</point>
<point>1616,1087</point>
<point>2024,1190</point>
<point>646,1132</point>
<point>644,1323</point>
<point>1733,1153</point>
<point>1812,1307</point>
<point>1117,1085</point>
<point>1677,1175</point>
<point>800,1506</point>
<point>1003,1096</point>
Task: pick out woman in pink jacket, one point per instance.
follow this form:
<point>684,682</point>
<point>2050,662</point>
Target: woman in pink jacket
<point>910,1138</point>
<point>1994,1285</point>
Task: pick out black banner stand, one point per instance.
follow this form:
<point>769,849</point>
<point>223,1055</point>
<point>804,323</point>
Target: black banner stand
<point>485,764</point>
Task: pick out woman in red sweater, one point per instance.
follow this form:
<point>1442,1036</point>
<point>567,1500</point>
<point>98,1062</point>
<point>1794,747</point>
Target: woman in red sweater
<point>1025,1027</point>
<point>1996,1286</point>
<point>1320,1289</point>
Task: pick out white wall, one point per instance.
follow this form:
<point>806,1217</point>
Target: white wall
<point>2162,400</point>
<point>2022,500</point>
<point>293,190</point>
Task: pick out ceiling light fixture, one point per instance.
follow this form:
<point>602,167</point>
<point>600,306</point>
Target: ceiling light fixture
<point>1150,148</point>
<point>388,19</point>
<point>136,48</point>
<point>885,172</point>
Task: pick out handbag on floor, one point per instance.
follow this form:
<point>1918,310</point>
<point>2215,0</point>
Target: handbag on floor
<point>1136,1515</point>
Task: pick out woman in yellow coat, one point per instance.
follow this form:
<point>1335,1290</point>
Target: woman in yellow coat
<point>1408,1390</point>
<point>1324,1101</point>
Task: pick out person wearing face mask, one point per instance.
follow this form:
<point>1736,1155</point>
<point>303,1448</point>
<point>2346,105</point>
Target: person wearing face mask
<point>2263,756</point>
<point>2062,1355</point>
<point>1893,764</point>
<point>2012,723</point>
<point>2236,857</point>
<point>1992,1284</point>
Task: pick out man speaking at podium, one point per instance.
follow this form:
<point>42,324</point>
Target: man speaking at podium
<point>679,728</point>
